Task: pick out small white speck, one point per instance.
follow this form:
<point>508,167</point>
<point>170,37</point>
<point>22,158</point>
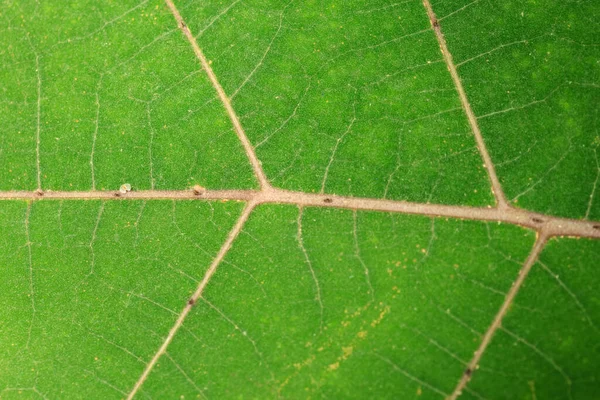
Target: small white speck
<point>126,187</point>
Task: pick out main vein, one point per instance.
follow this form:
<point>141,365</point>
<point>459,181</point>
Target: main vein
<point>554,226</point>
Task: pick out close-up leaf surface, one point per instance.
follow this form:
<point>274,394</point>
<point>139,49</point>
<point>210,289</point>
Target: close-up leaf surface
<point>299,199</point>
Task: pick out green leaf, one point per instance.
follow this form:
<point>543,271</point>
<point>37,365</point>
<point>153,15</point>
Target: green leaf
<point>548,344</point>
<point>211,199</point>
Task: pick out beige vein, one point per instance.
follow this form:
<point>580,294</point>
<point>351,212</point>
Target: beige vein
<point>487,160</point>
<point>553,226</point>
<point>497,322</point>
<point>188,307</point>
<point>256,165</point>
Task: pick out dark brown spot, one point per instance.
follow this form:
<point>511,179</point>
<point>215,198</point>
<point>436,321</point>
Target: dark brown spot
<point>182,25</point>
<point>596,227</point>
<point>117,194</point>
<point>537,220</point>
<point>191,302</point>
<point>435,23</point>
<point>39,193</point>
<point>468,372</point>
<point>327,200</point>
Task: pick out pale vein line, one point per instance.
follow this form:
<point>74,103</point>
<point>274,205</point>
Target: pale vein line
<point>546,357</point>
<point>520,107</point>
<point>31,286</point>
<point>125,350</point>
<point>570,293</point>
<point>589,207</point>
<point>93,239</point>
<point>337,144</point>
<point>256,165</point>
<point>236,326</point>
<point>188,307</point>
<point>217,17</point>
<point>310,267</point>
<point>148,113</point>
<point>460,9</point>
<point>186,376</point>
<point>104,26</point>
<point>38,126</point>
<point>543,177</point>
<point>492,51</point>
<point>409,375</point>
<point>95,131</point>
<point>38,113</point>
<point>554,226</point>
<point>496,186</point>
<point>28,389</point>
<point>105,382</point>
<point>288,119</point>
<point>357,252</point>
<point>497,322</point>
<point>266,52</point>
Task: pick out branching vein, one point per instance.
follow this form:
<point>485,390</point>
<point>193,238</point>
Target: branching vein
<point>496,187</point>
<point>497,322</point>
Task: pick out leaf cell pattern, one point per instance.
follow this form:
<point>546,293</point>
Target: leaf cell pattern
<point>274,150</point>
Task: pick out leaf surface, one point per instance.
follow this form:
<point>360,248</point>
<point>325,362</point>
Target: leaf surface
<point>211,199</point>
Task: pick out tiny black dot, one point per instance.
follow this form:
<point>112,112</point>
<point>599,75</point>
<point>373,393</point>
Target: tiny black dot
<point>537,220</point>
<point>468,372</point>
<point>596,227</point>
<point>191,302</point>
<point>327,200</point>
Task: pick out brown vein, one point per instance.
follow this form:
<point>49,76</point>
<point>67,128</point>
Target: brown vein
<point>487,160</point>
<point>188,307</point>
<point>256,166</point>
<point>553,226</point>
<point>497,322</point>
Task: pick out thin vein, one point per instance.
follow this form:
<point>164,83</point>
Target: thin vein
<point>266,52</point>
<point>310,267</point>
<point>593,193</point>
<point>186,376</point>
<point>409,375</point>
<point>337,144</point>
<point>104,26</point>
<point>358,255</point>
<point>487,160</point>
<point>500,47</point>
<point>520,107</point>
<point>38,112</point>
<point>571,294</point>
<point>236,327</point>
<point>31,285</point>
<point>150,144</point>
<point>93,239</point>
<point>95,135</point>
<point>188,307</point>
<point>256,165</point>
<point>545,356</point>
<point>497,321</point>
<point>460,9</point>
